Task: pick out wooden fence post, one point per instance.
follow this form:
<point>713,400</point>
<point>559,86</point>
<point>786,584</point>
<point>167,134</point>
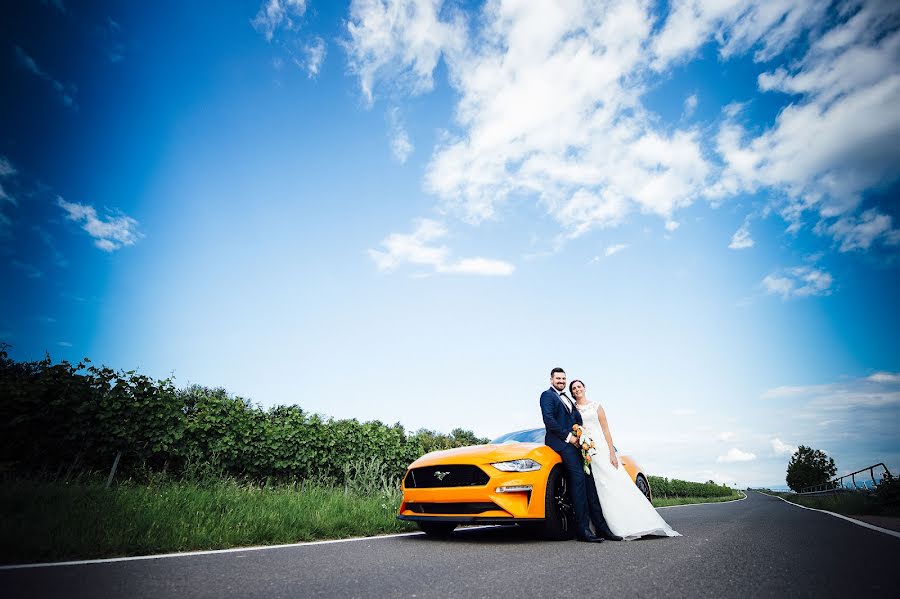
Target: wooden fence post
<point>112,471</point>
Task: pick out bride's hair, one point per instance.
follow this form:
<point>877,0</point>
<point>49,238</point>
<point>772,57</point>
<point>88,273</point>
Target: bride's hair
<point>572,383</point>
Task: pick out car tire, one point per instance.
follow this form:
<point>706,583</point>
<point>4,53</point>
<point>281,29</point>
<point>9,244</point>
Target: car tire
<point>644,486</point>
<point>559,518</point>
<point>437,529</point>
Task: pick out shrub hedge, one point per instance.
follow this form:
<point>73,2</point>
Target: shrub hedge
<point>62,420</point>
<point>664,487</point>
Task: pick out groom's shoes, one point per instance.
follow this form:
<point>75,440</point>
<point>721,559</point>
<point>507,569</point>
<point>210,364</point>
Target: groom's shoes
<point>590,539</point>
<point>608,535</point>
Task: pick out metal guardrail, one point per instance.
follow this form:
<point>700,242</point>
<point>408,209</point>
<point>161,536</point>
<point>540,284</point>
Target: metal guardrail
<point>837,484</point>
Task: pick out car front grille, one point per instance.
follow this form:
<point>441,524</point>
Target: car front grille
<point>429,477</point>
<point>451,508</point>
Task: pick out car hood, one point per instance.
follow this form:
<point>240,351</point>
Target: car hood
<point>477,454</point>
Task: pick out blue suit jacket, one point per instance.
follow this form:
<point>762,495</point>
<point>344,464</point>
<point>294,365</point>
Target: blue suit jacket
<point>557,420</point>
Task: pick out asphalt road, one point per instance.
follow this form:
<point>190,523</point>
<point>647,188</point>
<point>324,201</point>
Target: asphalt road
<point>759,547</point>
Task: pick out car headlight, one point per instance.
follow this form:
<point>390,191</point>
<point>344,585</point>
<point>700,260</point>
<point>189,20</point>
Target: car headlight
<point>526,465</point>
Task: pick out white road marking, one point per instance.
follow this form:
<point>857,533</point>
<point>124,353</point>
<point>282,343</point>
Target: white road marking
<point>207,552</point>
<point>216,551</point>
<point>886,531</point>
<point>665,507</point>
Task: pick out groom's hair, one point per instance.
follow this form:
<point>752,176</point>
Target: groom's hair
<point>555,370</point>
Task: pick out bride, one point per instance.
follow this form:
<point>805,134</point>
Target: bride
<point>625,508</point>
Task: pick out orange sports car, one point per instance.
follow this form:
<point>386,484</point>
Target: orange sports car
<point>513,479</point>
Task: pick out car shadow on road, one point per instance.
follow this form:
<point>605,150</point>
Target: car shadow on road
<point>507,534</point>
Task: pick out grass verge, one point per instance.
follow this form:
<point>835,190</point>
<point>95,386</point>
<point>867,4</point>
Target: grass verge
<point>44,521</point>
<point>670,501</point>
<point>848,504</point>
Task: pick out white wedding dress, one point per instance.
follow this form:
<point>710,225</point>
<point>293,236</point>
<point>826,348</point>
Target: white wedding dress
<point>627,511</point>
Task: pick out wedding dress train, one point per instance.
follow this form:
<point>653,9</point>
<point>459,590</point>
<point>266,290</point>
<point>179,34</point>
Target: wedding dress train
<point>627,511</point>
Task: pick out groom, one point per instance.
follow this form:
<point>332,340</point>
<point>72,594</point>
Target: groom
<point>560,413</point>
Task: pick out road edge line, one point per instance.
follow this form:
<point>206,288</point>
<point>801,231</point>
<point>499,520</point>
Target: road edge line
<point>129,558</point>
<point>886,531</point>
<point>665,507</point>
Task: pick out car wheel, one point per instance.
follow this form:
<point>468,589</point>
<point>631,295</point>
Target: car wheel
<point>559,520</point>
<point>437,529</point>
<point>644,486</point>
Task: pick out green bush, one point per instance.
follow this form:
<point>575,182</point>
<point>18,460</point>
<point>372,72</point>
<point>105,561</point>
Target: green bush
<point>664,487</point>
<point>435,441</point>
<point>64,420</point>
<point>887,491</point>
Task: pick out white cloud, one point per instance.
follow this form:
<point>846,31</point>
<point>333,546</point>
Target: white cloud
<point>479,266</point>
<point>884,377</point>
<point>6,168</point>
<point>278,13</point>
<point>66,91</point>
<point>736,455</point>
<point>418,248</point>
<point>789,392</point>
<point>725,436</point>
<point>782,448</point>
<point>838,138</point>
<point>529,124</point>
<point>64,344</point>
<point>614,249</point>
<point>110,233</point>
<point>401,146</point>
<point>874,391</point>
<point>313,56</point>
<point>737,26</point>
<point>399,41</point>
<point>741,238</point>
<point>690,105</point>
<point>800,281</point>
<point>859,233</point>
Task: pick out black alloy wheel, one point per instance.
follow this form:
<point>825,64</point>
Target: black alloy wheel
<point>644,486</point>
<point>559,521</point>
<point>437,529</point>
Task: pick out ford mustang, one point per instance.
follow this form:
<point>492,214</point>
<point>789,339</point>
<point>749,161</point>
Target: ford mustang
<point>513,479</point>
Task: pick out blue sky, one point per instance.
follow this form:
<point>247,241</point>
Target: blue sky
<point>411,211</point>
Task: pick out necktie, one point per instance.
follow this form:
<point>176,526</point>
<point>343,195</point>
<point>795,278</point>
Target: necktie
<point>568,402</point>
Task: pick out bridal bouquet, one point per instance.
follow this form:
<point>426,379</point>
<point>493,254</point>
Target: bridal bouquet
<point>587,446</point>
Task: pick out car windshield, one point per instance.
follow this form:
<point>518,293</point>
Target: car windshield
<point>532,435</point>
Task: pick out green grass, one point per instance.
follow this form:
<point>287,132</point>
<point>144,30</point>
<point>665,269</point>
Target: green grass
<point>849,503</point>
<point>44,521</point>
<point>670,501</point>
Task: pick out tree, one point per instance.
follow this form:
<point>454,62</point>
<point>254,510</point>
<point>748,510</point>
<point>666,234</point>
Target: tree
<point>809,467</point>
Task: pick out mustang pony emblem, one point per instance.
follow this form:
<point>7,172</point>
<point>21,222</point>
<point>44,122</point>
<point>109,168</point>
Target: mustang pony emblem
<point>440,475</point>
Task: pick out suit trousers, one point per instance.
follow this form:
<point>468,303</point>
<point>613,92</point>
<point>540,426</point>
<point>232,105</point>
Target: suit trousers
<point>583,492</point>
